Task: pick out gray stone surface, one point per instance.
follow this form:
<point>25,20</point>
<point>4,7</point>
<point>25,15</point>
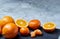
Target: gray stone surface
<point>44,10</point>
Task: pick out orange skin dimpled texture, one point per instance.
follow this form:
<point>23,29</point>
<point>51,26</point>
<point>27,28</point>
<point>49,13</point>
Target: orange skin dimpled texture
<point>8,19</point>
<point>10,30</point>
<point>24,31</point>
<point>0,30</point>
<point>34,24</point>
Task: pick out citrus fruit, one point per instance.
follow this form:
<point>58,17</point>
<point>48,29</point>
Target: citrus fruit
<point>10,30</point>
<point>38,32</point>
<point>49,26</point>
<point>24,31</point>
<point>34,24</point>
<point>21,23</point>
<point>8,19</point>
<point>2,23</point>
<point>0,30</point>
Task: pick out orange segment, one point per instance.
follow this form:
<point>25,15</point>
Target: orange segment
<point>21,23</point>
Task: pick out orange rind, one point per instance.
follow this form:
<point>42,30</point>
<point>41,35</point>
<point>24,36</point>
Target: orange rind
<point>49,26</point>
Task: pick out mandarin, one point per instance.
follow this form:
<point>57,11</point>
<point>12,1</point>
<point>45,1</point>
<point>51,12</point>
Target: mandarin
<point>24,31</point>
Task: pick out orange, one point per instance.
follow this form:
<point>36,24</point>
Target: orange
<point>2,23</point>
<point>10,30</point>
<point>49,26</point>
<point>0,30</point>
<point>24,31</point>
<point>34,24</point>
<point>8,19</point>
<point>21,23</point>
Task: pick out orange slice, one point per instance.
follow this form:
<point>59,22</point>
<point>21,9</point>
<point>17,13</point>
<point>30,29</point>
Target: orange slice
<point>21,23</point>
<point>49,26</point>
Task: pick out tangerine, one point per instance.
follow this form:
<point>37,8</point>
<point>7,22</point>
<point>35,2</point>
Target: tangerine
<point>24,31</point>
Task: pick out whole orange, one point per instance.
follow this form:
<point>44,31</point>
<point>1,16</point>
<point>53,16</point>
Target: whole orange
<point>0,30</point>
<point>34,24</point>
<point>24,31</point>
<point>8,19</point>
<point>2,23</point>
<point>10,30</point>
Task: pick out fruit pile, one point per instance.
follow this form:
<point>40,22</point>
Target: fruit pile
<point>9,27</point>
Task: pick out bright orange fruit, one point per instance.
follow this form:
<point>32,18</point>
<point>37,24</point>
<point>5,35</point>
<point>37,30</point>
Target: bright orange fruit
<point>10,30</point>
<point>8,19</point>
<point>2,23</point>
<point>21,23</point>
<point>0,30</point>
<point>34,24</point>
<point>49,26</point>
<point>24,31</point>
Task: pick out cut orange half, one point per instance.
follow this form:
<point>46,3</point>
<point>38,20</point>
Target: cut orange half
<point>21,23</point>
<point>49,26</point>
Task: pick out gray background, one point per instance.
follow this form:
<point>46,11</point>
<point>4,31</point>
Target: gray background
<point>44,10</point>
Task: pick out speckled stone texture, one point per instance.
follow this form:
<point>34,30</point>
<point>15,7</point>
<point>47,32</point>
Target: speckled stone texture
<point>44,10</point>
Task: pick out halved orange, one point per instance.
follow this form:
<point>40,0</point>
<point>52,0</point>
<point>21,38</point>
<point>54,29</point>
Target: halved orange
<point>49,26</point>
<point>21,23</point>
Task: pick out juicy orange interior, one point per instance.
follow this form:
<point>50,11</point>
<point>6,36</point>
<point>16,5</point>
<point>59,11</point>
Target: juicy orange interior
<point>49,25</point>
<point>21,23</point>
